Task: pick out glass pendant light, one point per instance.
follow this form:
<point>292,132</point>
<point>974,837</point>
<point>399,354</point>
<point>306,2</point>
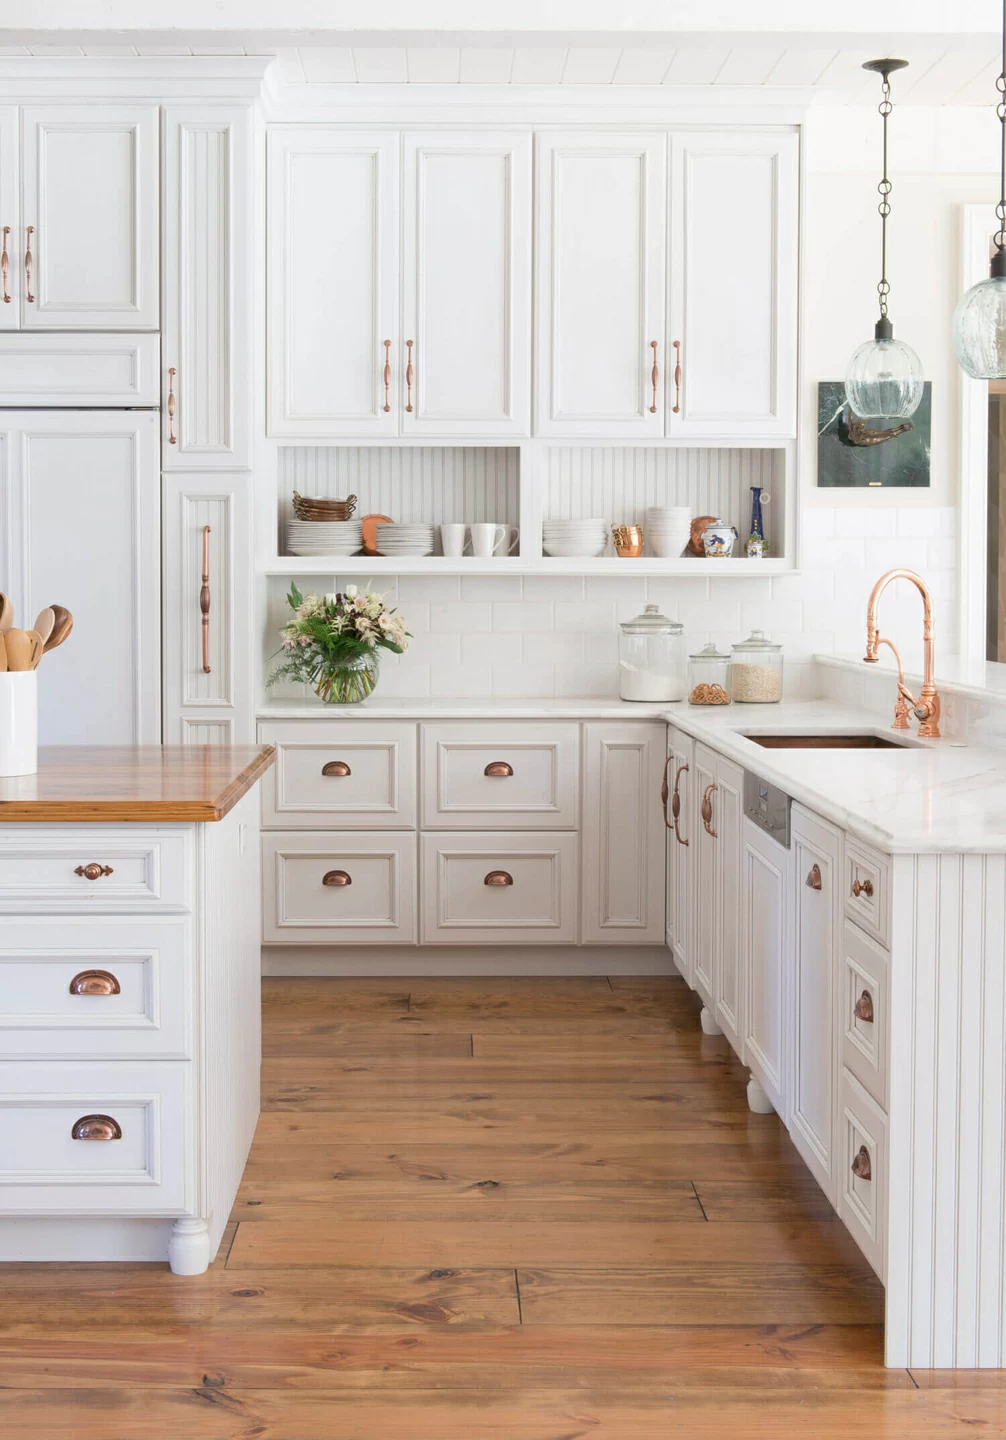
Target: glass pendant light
<point>884,379</point>
<point>980,317</point>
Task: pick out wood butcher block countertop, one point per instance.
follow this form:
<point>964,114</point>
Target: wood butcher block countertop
<point>145,783</point>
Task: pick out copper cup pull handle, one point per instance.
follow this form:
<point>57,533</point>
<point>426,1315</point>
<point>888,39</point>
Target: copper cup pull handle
<point>862,887</point>
<point>172,407</point>
<point>387,375</point>
<point>204,600</point>
<point>5,266</point>
<point>498,877</point>
<point>96,1127</point>
<point>338,768</point>
<point>95,982</point>
<point>92,871</point>
<point>28,262</point>
<point>677,376</point>
<point>337,877</point>
<point>410,375</point>
<point>861,1167</point>
<point>654,377</point>
<point>863,1008</point>
<point>814,878</point>
<point>498,770</point>
<point>707,809</point>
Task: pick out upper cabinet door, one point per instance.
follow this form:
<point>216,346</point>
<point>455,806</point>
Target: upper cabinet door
<point>89,217</point>
<point>207,336</point>
<point>734,259</point>
<point>332,233</point>
<point>467,285</point>
<point>10,222</point>
<point>600,284</point>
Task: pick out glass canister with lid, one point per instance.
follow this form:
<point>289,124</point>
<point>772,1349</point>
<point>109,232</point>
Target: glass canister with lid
<point>709,677</point>
<point>756,670</point>
<point>651,657</point>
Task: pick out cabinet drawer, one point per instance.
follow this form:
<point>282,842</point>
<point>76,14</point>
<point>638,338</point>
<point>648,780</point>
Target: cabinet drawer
<point>148,1168</point>
<point>359,774</point>
<point>97,868</point>
<point>95,988</point>
<point>862,1183</point>
<point>863,1001</point>
<point>320,889</point>
<point>867,889</point>
<point>500,889</point>
<point>487,777</point>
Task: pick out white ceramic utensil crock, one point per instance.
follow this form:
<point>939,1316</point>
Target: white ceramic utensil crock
<point>18,722</point>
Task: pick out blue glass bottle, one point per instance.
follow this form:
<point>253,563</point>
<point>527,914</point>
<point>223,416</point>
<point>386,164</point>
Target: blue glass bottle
<point>756,548</point>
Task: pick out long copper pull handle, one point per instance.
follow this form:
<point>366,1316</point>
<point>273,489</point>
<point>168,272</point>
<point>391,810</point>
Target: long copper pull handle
<point>172,437</point>
<point>664,792</point>
<point>92,871</point>
<point>677,376</point>
<point>707,809</point>
<point>676,803</point>
<point>863,1008</point>
<point>498,770</point>
<point>95,982</point>
<point>204,600</point>
<point>864,887</point>
<point>337,877</point>
<point>338,768</point>
<point>96,1127</point>
<point>813,880</point>
<point>28,262</point>
<point>387,375</point>
<point>861,1166</point>
<point>498,877</point>
<point>654,377</point>
<point>410,375</point>
<point>5,266</point>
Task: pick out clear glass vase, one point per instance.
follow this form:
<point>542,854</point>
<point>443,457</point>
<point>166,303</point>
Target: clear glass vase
<point>350,683</point>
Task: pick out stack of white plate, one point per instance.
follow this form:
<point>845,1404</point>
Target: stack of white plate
<point>324,537</point>
<point>404,539</point>
<point>574,537</point>
<point>668,531</point>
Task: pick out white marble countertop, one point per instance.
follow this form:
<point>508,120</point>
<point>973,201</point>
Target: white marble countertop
<point>495,707</point>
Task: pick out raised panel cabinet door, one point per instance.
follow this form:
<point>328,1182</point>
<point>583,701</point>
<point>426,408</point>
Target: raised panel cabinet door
<point>765,964</point>
<point>89,210</point>
<point>734,277</point>
<point>467,284</point>
<point>206,384</point>
<point>623,835</point>
<point>339,887</point>
<point>817,857</point>
<point>81,494</point>
<point>11,233</point>
<point>728,990</point>
<point>208,608</point>
<point>705,887</point>
<point>681,841</point>
<point>333,222</point>
<point>600,266</point>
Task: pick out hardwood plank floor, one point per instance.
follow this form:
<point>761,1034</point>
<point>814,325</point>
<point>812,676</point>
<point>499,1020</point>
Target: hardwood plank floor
<point>530,1209</point>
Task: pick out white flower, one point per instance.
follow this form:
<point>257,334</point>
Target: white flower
<point>352,591</point>
<point>330,599</point>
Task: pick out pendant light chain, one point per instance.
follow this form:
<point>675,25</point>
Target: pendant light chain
<point>1000,239</point>
<point>884,190</point>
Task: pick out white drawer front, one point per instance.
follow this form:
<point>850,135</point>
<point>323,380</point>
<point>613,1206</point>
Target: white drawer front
<point>485,776</point>
<point>862,1178</point>
<point>863,998</point>
<point>148,1169</point>
<point>358,774</point>
<point>78,370</point>
<point>500,889</point>
<point>319,889</point>
<point>95,988</point>
<point>867,889</point>
<point>50,868</point>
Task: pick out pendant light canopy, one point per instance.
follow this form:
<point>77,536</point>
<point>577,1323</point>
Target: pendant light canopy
<point>980,317</point>
<point>884,379</point>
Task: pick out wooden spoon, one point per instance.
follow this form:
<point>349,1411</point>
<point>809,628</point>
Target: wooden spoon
<point>37,647</point>
<point>6,613</point>
<point>61,628</point>
<point>44,623</point>
<point>20,645</point>
<point>3,655</point>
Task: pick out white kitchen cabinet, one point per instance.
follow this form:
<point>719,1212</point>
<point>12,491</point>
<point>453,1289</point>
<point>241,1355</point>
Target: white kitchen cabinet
<point>80,493</point>
<point>817,877</point>
<point>340,774</point>
<point>207,603</point>
<point>766,964</point>
<point>680,816</point>
<point>485,776</point>
<point>704,884</point>
<point>207,337</point>
<point>623,834</point>
<point>342,887</point>
<point>718,790</point>
<point>600,283</point>
<point>333,282</point>
<point>10,221</point>
<point>466,259</point>
<point>499,888</point>
<point>734,254</point>
<point>89,217</point>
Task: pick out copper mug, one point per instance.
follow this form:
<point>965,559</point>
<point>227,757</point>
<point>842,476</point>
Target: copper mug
<point>628,540</point>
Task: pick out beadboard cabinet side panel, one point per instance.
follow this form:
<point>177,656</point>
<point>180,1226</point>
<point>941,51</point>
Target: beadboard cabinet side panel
<point>623,834</point>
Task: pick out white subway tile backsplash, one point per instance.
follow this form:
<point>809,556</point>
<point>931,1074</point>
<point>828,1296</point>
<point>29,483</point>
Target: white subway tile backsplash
<point>429,587</point>
<point>554,587</point>
<point>497,648</point>
<point>468,679</point>
<point>491,587</point>
<point>564,645</point>
<point>455,617</point>
<point>514,615</point>
<point>865,520</point>
<point>586,616</point>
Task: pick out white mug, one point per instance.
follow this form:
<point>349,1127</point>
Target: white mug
<point>452,539</point>
<point>488,540</point>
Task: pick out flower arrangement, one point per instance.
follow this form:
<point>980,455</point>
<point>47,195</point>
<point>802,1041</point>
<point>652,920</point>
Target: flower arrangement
<point>333,642</point>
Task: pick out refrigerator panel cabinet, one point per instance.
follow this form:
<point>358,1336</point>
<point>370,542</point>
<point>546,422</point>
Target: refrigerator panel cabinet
<point>11,233</point>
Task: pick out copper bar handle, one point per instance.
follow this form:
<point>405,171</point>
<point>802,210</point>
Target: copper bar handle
<point>93,871</point>
<point>28,262</point>
<point>5,266</point>
<point>498,877</point>
<point>707,809</point>
<point>813,880</point>
<point>95,982</point>
<point>204,600</point>
<point>172,437</point>
<point>664,791</point>
<point>410,375</point>
<point>861,1166</point>
<point>387,375</point>
<point>677,376</point>
<point>337,877</point>
<point>338,768</point>
<point>654,377</point>
<point>863,1008</point>
<point>676,803</point>
<point>498,770</point>
<point>862,887</point>
<point>96,1127</point>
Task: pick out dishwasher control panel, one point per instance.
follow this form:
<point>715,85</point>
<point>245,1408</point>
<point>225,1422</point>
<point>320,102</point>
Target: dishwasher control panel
<point>767,806</point>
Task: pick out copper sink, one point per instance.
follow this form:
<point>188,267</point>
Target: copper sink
<point>829,742</point>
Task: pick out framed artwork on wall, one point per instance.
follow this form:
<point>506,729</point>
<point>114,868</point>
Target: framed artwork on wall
<point>870,454</point>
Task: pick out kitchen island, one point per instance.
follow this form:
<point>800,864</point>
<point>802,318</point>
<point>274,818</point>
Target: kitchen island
<point>129,1023</point>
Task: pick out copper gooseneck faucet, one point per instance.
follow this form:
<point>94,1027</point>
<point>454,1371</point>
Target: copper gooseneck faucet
<point>927,708</point>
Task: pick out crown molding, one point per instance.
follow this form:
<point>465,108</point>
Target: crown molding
<point>182,77</point>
